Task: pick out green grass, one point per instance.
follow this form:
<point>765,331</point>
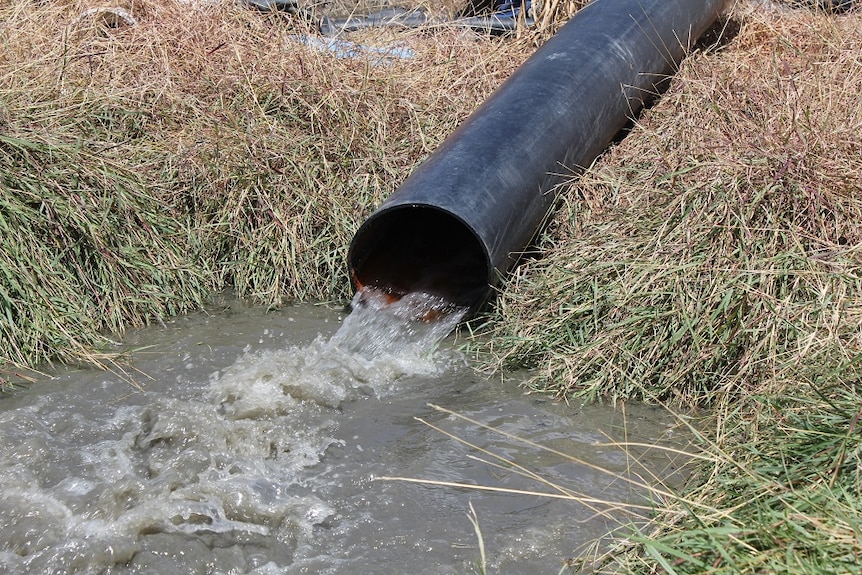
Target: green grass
<point>712,259</point>
<point>86,247</point>
<point>781,493</point>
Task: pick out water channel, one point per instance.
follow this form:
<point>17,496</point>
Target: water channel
<point>247,441</point>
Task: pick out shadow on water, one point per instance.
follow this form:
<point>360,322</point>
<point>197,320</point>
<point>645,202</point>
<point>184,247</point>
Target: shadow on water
<point>257,444</point>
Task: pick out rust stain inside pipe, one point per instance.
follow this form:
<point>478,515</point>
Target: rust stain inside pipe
<point>417,249</point>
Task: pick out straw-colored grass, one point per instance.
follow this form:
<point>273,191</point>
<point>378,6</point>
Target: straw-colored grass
<point>710,258</point>
<point>719,241</point>
<point>713,258</point>
<point>146,166</point>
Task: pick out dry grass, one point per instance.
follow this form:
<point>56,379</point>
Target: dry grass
<point>147,166</point>
<point>719,241</point>
<point>712,257</point>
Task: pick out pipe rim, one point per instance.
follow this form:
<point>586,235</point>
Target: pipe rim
<point>418,247</point>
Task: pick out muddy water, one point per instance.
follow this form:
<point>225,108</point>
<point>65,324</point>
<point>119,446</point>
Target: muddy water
<point>247,441</point>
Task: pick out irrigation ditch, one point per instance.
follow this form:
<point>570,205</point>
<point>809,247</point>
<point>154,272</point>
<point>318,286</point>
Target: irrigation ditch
<point>712,260</point>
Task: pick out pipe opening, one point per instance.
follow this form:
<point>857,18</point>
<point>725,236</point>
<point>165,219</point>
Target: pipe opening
<point>409,249</point>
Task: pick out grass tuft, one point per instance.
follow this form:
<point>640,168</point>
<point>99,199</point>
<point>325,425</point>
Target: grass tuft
<point>146,166</point>
<point>712,259</point>
<point>718,242</point>
<point>780,495</point>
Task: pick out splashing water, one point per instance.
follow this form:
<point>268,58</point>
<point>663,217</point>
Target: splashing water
<point>376,345</point>
<point>245,454</point>
<point>411,325</point>
<point>135,483</point>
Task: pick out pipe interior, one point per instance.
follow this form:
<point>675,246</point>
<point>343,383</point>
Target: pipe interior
<point>421,249</point>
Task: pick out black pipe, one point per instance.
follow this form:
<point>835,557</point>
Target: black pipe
<point>464,216</point>
<point>494,24</point>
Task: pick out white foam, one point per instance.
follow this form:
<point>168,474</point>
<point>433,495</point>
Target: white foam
<point>230,464</point>
<point>409,327</point>
<point>376,345</point>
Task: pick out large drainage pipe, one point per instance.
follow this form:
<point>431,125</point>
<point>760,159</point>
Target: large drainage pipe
<point>461,220</point>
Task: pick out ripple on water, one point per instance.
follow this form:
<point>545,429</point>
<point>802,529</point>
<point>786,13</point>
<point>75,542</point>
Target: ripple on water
<point>252,450</point>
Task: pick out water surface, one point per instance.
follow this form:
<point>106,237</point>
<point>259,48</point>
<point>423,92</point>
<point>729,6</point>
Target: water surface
<point>254,441</point>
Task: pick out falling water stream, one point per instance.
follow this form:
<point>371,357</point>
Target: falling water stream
<point>281,442</point>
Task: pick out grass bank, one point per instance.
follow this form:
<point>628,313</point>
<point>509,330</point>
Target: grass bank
<point>147,165</point>
<point>711,259</point>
